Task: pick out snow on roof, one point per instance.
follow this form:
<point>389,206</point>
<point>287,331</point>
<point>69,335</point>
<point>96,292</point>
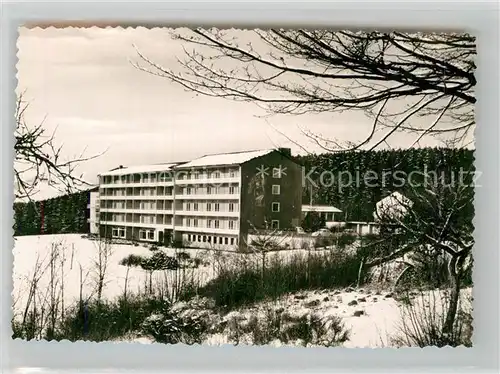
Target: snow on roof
<point>320,208</point>
<point>392,206</point>
<point>140,169</point>
<point>234,158</point>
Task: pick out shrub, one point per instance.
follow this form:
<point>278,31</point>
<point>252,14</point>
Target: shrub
<point>250,282</point>
<point>423,320</point>
<point>160,261</point>
<point>309,329</point>
<point>107,320</point>
<point>154,248</point>
<point>313,222</point>
<point>132,260</point>
<point>169,327</point>
<point>345,239</point>
<point>183,256</point>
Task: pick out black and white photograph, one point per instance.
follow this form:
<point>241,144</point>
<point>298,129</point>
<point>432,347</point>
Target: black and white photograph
<point>274,186</point>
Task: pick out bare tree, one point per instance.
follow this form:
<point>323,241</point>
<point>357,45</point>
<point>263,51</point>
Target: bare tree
<point>438,216</point>
<point>104,252</point>
<point>38,159</point>
<point>395,77</point>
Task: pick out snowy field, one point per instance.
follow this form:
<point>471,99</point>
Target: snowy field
<point>372,315</point>
<point>33,252</point>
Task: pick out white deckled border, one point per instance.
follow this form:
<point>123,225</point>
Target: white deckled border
<point>480,18</point>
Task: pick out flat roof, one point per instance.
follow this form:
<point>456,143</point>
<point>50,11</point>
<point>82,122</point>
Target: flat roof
<point>320,208</point>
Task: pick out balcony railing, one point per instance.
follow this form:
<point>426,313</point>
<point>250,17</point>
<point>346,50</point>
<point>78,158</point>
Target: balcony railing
<point>206,213</point>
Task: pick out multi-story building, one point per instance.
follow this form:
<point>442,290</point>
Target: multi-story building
<point>212,201</point>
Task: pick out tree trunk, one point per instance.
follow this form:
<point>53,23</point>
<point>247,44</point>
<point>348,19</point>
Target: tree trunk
<point>360,272</point>
<point>453,303</point>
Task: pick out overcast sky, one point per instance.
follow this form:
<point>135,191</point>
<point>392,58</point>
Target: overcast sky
<point>82,81</point>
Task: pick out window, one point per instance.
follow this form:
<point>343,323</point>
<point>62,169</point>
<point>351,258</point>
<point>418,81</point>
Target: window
<point>188,206</point>
<point>162,176</point>
<point>276,189</point>
<point>216,174</point>
<point>195,206</point>
<point>217,207</point>
<point>276,207</point>
<point>209,207</point>
<point>189,237</point>
<point>231,207</point>
<point>199,238</point>
<point>195,222</point>
<point>275,224</point>
<point>121,232</point>
<point>147,234</point>
<point>145,178</point>
<point>233,190</point>
<point>188,191</point>
<point>220,239</point>
<point>226,241</point>
<point>217,224</point>
<point>232,173</point>
<point>232,241</point>
<point>114,233</point>
<point>231,225</point>
<point>209,239</point>
<point>196,175</point>
<point>204,238</point>
<point>209,223</point>
<point>209,190</point>
<point>188,222</point>
<point>276,172</point>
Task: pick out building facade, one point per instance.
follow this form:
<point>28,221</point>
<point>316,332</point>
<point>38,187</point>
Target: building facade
<point>213,201</point>
<point>93,212</point>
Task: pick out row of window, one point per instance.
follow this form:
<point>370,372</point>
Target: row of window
<point>168,176</point>
<point>191,190</point>
<point>211,223</point>
<point>188,206</point>
<point>119,232</point>
<point>210,190</point>
<point>210,207</point>
<point>193,238</point>
<point>215,174</point>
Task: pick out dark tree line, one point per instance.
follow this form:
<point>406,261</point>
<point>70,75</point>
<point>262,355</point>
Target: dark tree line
<point>63,214</point>
<point>383,171</point>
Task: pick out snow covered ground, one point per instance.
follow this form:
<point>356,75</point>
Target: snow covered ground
<point>32,252</point>
<point>81,253</point>
<point>372,315</point>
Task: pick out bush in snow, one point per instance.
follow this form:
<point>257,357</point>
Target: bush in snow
<point>277,325</point>
<point>174,326</point>
<point>345,239</point>
<point>423,318</point>
<point>132,260</point>
<point>160,261</point>
<point>183,256</point>
<point>250,282</point>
